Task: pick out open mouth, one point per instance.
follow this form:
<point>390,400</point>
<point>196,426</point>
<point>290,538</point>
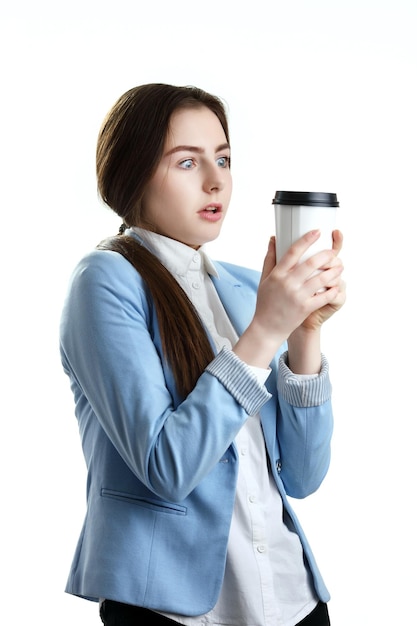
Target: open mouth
<point>212,208</point>
<point>212,212</point>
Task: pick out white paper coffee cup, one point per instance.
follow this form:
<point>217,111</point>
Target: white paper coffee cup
<point>298,212</point>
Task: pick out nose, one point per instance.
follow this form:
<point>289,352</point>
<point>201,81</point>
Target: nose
<point>214,178</point>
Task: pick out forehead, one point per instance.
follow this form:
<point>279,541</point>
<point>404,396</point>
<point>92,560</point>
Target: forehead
<point>194,126</point>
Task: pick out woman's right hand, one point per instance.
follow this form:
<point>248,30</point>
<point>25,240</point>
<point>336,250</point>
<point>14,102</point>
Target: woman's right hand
<point>289,291</point>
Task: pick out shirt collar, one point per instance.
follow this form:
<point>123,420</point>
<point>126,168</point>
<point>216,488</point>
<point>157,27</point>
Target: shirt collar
<point>177,257</point>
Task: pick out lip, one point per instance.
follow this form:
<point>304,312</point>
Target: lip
<point>212,216</point>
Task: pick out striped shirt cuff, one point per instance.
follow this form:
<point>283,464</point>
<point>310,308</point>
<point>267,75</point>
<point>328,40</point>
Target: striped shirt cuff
<point>302,391</point>
<point>239,380</point>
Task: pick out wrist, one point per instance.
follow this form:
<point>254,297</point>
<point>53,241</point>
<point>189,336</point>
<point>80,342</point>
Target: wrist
<point>304,354</point>
<point>257,347</point>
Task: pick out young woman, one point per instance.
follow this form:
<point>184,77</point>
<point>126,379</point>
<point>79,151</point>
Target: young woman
<point>200,391</point>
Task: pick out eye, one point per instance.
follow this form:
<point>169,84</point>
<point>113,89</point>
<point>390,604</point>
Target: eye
<point>187,164</point>
<point>223,161</point>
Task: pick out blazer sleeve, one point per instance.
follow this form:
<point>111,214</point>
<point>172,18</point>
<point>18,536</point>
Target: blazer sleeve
<point>110,349</point>
<point>304,429</point>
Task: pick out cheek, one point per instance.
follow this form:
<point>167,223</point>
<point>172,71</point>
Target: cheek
<point>229,191</point>
<point>153,198</point>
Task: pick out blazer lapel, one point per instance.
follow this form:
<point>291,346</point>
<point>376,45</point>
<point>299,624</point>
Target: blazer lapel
<point>238,300</point>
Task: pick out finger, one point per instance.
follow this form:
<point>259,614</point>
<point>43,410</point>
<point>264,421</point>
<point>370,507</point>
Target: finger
<point>336,297</point>
<point>270,259</point>
<point>316,264</point>
<point>325,296</point>
<point>325,279</point>
<point>296,251</point>
<point>334,261</point>
<point>337,241</point>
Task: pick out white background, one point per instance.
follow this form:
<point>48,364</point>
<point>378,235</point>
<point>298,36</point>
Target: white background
<point>321,97</point>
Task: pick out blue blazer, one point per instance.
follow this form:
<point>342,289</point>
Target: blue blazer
<point>162,472</point>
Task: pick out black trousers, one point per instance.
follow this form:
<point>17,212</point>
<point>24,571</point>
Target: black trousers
<point>118,614</point>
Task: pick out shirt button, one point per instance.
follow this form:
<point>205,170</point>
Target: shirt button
<point>252,498</point>
<point>261,548</point>
<point>196,285</point>
<point>278,466</point>
<point>195,258</point>
<point>243,451</point>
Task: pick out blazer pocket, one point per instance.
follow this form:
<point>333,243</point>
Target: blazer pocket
<point>148,503</point>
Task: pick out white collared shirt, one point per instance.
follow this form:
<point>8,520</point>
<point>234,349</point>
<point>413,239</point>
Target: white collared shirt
<point>266,582</point>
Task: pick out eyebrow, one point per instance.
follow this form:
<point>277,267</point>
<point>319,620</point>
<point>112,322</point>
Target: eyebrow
<point>222,146</point>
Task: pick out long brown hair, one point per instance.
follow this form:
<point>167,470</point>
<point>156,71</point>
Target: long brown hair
<point>129,148</point>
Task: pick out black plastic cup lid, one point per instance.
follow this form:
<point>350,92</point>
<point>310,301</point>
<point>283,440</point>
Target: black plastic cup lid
<point>306,198</point>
